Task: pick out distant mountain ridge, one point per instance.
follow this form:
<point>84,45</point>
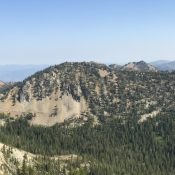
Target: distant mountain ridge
<point>164,65</point>
<point>140,66</point>
<point>160,62</point>
<point>13,73</point>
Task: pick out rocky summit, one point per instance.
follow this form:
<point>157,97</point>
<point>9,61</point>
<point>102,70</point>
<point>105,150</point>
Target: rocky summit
<point>139,66</point>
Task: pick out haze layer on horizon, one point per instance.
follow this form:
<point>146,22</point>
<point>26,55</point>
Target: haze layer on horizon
<point>109,31</point>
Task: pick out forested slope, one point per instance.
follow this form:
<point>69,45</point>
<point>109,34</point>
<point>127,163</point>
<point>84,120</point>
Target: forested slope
<point>126,124</point>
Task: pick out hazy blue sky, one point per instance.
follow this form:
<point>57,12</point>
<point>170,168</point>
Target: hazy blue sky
<point>111,31</point>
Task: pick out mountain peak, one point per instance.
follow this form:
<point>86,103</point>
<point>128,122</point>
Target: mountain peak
<point>59,93</point>
<point>81,91</point>
<point>141,66</point>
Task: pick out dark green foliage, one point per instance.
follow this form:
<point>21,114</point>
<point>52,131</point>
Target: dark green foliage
<point>116,147</point>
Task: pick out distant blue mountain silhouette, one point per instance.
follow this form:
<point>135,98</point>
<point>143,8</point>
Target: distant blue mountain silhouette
<point>18,72</point>
<point>164,65</point>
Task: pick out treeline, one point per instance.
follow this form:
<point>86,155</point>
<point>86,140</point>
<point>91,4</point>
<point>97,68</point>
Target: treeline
<point>115,147</point>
